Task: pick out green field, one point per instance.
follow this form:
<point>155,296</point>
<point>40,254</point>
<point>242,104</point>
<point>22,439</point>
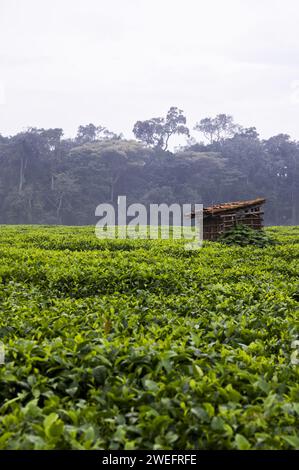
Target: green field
<point>139,344</point>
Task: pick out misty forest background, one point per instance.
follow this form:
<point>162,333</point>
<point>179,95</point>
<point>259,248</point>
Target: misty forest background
<point>48,179</point>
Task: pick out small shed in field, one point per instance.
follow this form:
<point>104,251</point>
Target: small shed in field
<point>220,218</point>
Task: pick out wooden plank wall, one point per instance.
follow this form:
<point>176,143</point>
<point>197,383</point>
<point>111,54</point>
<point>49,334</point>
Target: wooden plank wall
<point>215,225</point>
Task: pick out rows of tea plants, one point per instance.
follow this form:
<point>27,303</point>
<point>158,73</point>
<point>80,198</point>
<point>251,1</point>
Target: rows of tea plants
<point>140,344</point>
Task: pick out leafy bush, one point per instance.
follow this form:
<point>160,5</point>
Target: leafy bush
<point>137,344</point>
<point>244,235</point>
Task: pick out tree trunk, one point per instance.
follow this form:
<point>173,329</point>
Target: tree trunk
<point>112,186</point>
<point>58,210</point>
<point>30,209</point>
<point>21,179</point>
<point>293,206</point>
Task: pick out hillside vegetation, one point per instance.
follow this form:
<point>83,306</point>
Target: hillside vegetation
<point>46,178</point>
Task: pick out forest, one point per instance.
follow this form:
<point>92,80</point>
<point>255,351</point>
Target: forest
<point>48,179</point>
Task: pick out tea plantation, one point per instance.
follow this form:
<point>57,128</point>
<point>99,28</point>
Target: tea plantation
<point>140,344</point>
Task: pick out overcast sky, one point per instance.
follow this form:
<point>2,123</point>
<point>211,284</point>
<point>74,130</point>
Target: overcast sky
<point>68,62</point>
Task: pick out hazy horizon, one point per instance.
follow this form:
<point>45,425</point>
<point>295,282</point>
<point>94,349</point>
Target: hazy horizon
<point>67,63</point>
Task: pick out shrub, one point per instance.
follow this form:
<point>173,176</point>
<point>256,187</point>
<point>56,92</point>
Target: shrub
<point>243,235</point>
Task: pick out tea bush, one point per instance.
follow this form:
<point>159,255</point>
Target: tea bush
<point>139,344</point>
<point>244,235</point>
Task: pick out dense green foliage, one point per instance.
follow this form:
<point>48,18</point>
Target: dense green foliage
<point>47,179</point>
<point>244,235</point>
<point>124,344</point>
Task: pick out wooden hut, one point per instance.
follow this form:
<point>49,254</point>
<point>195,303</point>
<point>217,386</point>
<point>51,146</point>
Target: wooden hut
<point>220,218</point>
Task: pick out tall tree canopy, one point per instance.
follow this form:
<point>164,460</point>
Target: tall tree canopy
<point>218,128</point>
<point>156,132</point>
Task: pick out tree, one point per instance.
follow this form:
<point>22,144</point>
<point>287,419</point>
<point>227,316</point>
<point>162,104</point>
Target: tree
<point>27,149</point>
<point>156,132</point>
<point>115,160</point>
<point>248,132</point>
<point>91,133</point>
<point>283,162</point>
<point>218,128</point>
<point>87,133</point>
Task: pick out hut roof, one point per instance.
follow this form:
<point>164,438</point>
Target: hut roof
<point>228,206</point>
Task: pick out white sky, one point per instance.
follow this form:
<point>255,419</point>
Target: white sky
<point>68,62</point>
